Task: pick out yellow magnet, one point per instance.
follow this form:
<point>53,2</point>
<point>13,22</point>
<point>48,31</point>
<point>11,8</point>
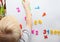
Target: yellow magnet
<point>35,22</point>
<point>51,31</point>
<point>40,21</point>
<point>58,32</point>
<point>55,32</point>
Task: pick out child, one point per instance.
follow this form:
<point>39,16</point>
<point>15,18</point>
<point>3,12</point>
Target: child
<point>10,30</point>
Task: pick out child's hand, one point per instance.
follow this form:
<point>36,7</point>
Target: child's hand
<point>26,4</point>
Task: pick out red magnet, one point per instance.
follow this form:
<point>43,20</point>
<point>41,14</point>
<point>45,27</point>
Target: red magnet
<point>45,37</point>
<point>21,26</point>
<point>44,31</point>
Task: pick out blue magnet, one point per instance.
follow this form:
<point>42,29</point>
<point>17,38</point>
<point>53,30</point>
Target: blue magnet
<point>37,7</point>
<point>48,31</point>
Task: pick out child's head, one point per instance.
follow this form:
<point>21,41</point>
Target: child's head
<point>9,29</point>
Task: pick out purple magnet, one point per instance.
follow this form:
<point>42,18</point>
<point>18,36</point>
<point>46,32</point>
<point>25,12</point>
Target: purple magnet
<point>36,32</point>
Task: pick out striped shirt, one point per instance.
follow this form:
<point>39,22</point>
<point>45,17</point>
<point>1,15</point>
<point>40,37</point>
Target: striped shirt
<point>26,37</point>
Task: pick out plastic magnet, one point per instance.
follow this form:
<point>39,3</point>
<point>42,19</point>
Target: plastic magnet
<point>35,22</point>
<point>51,31</point>
<point>55,32</point>
<point>37,7</point>
<point>44,31</point>
<point>48,31</point>
<point>25,17</point>
<point>36,32</point>
<point>45,36</point>
<point>58,32</point>
<point>21,26</point>
<point>18,9</point>
<point>32,31</point>
<point>44,14</point>
<point>40,21</point>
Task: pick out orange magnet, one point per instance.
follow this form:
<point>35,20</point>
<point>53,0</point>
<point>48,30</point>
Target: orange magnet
<point>44,14</point>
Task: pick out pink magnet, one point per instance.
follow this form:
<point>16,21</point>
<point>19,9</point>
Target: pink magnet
<point>25,17</point>
<point>32,31</point>
<point>18,9</point>
<point>36,32</point>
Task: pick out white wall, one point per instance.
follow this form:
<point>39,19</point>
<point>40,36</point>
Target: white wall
<point>50,21</point>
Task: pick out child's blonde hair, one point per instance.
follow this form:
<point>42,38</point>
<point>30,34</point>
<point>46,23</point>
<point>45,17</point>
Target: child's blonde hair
<point>9,29</point>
